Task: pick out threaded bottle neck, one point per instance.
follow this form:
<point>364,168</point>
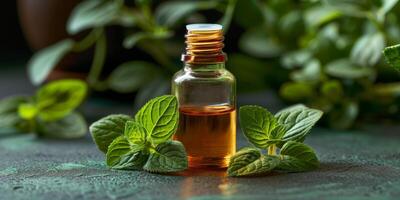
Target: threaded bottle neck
<point>204,43</point>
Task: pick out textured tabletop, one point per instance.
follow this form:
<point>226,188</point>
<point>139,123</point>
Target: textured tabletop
<point>356,165</point>
<point>362,164</point>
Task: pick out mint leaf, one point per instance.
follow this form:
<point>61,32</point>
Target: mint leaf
<point>123,155</point>
<point>44,61</point>
<point>367,50</point>
<point>9,117</point>
<point>58,98</point>
<point>135,133</point>
<point>392,55</point>
<point>344,68</point>
<point>298,121</point>
<point>257,124</point>
<point>92,14</point>
<point>387,5</point>
<point>169,156</point>
<point>11,104</point>
<point>10,121</point>
<point>70,127</point>
<point>297,91</point>
<point>276,135</point>
<point>171,12</point>
<point>278,132</point>
<point>27,111</point>
<point>130,76</point>
<point>297,157</point>
<point>106,129</point>
<point>159,117</point>
<point>249,161</point>
<point>132,161</point>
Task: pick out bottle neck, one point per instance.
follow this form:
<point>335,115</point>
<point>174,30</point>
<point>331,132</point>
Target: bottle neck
<point>204,67</point>
<point>204,47</point>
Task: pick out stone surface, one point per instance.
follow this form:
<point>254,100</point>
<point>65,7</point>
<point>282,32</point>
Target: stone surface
<point>362,164</point>
<point>354,165</point>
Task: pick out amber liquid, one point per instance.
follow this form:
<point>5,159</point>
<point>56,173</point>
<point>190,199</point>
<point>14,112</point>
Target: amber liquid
<point>208,134</point>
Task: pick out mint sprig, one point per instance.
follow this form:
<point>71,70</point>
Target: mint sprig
<point>48,113</point>
<point>143,142</point>
<point>286,130</point>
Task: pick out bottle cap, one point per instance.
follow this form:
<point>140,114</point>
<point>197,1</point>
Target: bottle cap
<point>203,27</point>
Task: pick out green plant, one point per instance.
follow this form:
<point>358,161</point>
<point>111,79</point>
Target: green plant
<point>392,55</point>
<point>49,113</point>
<point>325,54</point>
<point>146,28</point>
<point>285,130</point>
<point>142,142</point>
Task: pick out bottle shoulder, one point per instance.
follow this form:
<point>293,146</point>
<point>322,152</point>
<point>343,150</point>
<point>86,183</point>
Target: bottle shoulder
<point>218,76</point>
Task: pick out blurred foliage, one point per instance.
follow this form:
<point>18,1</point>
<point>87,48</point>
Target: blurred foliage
<point>148,26</point>
<point>324,53</point>
<point>50,112</point>
<point>331,50</point>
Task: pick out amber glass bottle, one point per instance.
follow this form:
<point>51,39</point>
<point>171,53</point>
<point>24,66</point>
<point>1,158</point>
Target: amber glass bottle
<point>206,93</point>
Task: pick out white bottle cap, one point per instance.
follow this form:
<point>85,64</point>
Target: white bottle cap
<point>203,27</point>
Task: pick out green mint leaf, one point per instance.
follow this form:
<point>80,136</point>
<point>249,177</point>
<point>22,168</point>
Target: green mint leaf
<point>368,49</point>
<point>249,161</point>
<point>159,117</point>
<point>58,98</point>
<point>297,91</point>
<point>132,161</point>
<point>130,76</point>
<point>257,124</point>
<point>293,59</point>
<point>392,55</point>
<point>10,121</point>
<point>298,121</point>
<point>9,117</point>
<point>135,133</point>
<point>169,156</point>
<point>131,40</point>
<point>320,15</point>
<point>171,12</point>
<point>106,129</point>
<point>123,155</point>
<point>297,157</point>
<point>11,104</point>
<point>70,127</point>
<point>387,5</point>
<point>278,132</point>
<point>344,68</point>
<point>310,72</point>
<point>92,14</point>
<point>276,136</point>
<point>44,61</point>
<point>27,111</point>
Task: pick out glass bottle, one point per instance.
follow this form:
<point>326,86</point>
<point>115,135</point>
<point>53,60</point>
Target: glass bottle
<point>206,93</point>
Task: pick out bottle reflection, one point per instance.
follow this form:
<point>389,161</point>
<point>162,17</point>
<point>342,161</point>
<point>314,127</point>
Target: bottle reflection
<point>217,183</point>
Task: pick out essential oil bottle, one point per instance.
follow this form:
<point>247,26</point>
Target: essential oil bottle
<point>206,93</point>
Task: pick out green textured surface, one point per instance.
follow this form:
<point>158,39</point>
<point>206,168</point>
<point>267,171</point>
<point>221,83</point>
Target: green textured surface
<point>355,165</point>
<point>361,164</point>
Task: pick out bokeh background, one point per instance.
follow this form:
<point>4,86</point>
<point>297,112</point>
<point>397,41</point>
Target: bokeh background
<point>326,54</point>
